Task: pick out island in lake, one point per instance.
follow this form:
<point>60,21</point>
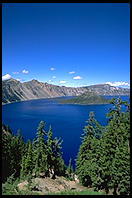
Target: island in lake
<point>88,97</point>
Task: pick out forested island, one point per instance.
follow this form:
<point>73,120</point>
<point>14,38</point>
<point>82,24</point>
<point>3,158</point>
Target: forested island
<point>88,97</point>
<point>102,163</point>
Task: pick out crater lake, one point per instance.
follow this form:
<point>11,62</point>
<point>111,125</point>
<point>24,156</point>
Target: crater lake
<point>67,120</point>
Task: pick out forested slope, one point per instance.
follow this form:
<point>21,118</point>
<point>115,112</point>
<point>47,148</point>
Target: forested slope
<point>102,163</point>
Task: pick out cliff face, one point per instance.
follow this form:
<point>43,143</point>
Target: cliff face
<point>13,90</point>
<point>105,89</point>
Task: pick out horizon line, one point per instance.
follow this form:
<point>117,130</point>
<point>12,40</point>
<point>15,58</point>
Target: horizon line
<point>64,85</point>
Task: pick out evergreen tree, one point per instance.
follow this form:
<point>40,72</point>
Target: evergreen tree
<point>20,149</point>
<point>34,154</point>
<point>93,128</point>
<point>70,170</point>
<point>103,160</point>
<point>6,154</point>
<point>37,166</point>
<point>59,165</point>
<point>22,159</point>
<point>60,168</point>
<point>88,155</point>
<point>17,148</point>
<point>115,169</point>
<point>28,160</point>
<point>23,169</point>
<point>51,157</point>
<point>12,151</point>
<point>41,165</point>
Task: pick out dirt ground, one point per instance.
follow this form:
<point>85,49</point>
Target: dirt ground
<point>47,185</point>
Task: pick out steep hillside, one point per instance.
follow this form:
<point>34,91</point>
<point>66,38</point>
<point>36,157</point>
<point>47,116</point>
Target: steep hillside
<point>13,90</point>
<point>105,89</point>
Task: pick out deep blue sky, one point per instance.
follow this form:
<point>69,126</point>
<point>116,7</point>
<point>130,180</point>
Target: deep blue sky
<point>93,40</point>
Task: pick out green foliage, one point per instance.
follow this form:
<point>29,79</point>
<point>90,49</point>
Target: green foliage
<point>23,172</point>
<point>50,145</point>
<point>60,167</point>
<point>55,161</point>
<point>116,151</point>
<point>41,165</point>
<point>89,152</point>
<point>34,156</point>
<point>43,156</point>
<point>104,162</point>
<point>6,154</point>
<point>70,171</point>
<point>73,192</point>
<point>13,148</point>
<point>10,186</point>
<point>85,98</point>
<point>93,128</point>
<point>28,160</point>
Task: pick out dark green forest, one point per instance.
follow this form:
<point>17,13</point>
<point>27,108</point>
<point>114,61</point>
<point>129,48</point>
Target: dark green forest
<point>102,162</point>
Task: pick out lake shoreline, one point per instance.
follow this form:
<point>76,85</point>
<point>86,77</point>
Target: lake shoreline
<point>58,97</point>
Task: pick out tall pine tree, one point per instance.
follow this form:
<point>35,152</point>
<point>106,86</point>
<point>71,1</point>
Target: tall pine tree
<point>41,165</point>
<point>88,155</point>
<point>115,155</point>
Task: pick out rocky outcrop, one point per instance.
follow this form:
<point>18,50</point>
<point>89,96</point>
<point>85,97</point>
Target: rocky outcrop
<point>13,90</point>
<point>23,185</point>
<point>48,185</point>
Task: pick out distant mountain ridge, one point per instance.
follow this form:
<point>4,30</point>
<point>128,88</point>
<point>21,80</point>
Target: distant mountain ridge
<point>13,90</point>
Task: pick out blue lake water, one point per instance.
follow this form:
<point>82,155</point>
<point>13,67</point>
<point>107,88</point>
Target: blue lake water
<point>67,120</point>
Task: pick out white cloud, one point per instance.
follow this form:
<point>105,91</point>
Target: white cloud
<point>25,71</point>
<point>6,77</point>
<point>52,68</point>
<point>53,76</point>
<point>77,78</point>
<point>72,72</point>
<point>62,81</point>
<point>50,81</point>
<point>18,79</point>
<point>15,72</point>
<point>118,83</point>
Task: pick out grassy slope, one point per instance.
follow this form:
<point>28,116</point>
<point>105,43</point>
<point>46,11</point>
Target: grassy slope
<point>86,192</point>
